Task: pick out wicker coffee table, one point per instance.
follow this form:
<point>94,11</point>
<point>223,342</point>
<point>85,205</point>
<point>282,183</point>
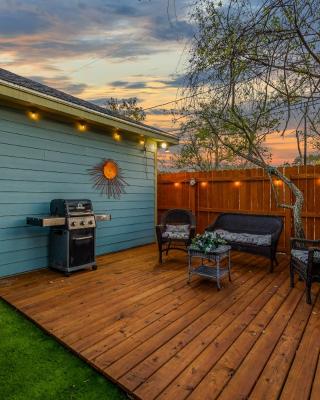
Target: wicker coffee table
<point>214,268</point>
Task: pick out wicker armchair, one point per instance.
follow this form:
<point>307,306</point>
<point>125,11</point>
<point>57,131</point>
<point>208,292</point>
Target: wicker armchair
<point>305,261</point>
<point>180,241</point>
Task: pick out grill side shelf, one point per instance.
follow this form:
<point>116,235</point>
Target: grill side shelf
<point>46,221</point>
<point>103,217</point>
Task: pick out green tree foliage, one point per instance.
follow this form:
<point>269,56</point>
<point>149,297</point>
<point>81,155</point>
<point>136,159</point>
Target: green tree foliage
<point>126,108</point>
<point>312,159</point>
<point>200,149</point>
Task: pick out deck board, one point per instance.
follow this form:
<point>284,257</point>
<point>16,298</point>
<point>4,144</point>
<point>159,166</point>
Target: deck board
<point>142,326</point>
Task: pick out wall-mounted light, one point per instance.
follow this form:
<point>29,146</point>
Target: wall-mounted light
<point>177,184</point>
<point>278,182</point>
<point>164,145</point>
<point>142,143</point>
<point>237,183</point>
<point>204,184</point>
<point>81,126</point>
<point>34,115</point>
<point>116,136</point>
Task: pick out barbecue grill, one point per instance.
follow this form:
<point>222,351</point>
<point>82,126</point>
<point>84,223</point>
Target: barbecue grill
<point>72,234</point>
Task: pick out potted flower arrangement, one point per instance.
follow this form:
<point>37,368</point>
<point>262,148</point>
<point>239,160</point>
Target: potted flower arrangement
<point>207,242</point>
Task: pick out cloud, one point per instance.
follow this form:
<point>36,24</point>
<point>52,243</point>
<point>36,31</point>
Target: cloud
<point>41,30</point>
<point>62,83</point>
<point>137,85</point>
<point>21,22</point>
<point>125,10</point>
<point>163,30</point>
<point>176,81</point>
<point>129,85</point>
<point>119,83</point>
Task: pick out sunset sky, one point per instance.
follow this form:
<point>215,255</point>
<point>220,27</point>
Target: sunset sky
<point>99,49</point>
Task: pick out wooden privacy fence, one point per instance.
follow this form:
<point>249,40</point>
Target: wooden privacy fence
<point>242,191</point>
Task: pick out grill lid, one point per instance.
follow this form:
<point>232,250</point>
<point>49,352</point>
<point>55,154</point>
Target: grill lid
<point>68,208</point>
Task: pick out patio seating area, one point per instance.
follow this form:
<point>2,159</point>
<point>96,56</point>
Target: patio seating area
<point>141,325</point>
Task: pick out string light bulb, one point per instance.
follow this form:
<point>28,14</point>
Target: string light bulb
<point>34,115</point>
<point>117,136</point>
<point>278,182</point>
<point>142,142</point>
<point>81,126</point>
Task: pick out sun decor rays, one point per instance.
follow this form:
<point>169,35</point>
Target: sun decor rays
<point>107,178</point>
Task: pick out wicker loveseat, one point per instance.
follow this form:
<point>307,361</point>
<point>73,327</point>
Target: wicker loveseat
<point>256,234</point>
<point>176,230</point>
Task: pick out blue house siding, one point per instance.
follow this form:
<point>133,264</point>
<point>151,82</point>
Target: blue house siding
<point>42,160</point>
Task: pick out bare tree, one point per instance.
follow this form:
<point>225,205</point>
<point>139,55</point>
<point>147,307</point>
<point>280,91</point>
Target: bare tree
<point>253,70</point>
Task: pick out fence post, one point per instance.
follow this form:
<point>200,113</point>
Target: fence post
<point>193,194</point>
<point>193,198</point>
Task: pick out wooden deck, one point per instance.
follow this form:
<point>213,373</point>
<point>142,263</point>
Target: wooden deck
<point>145,328</point>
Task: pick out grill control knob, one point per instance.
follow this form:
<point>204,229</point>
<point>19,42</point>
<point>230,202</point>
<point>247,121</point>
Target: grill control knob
<point>82,223</point>
<point>73,223</point>
<point>90,222</point>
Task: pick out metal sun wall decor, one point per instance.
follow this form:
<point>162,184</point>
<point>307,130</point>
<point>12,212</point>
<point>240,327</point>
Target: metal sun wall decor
<point>108,179</point>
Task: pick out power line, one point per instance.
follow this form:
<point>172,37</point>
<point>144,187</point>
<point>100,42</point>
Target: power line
<point>92,61</point>
<point>177,100</point>
<point>296,106</point>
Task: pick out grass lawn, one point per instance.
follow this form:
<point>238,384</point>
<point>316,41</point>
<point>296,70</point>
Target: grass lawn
<point>34,366</point>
